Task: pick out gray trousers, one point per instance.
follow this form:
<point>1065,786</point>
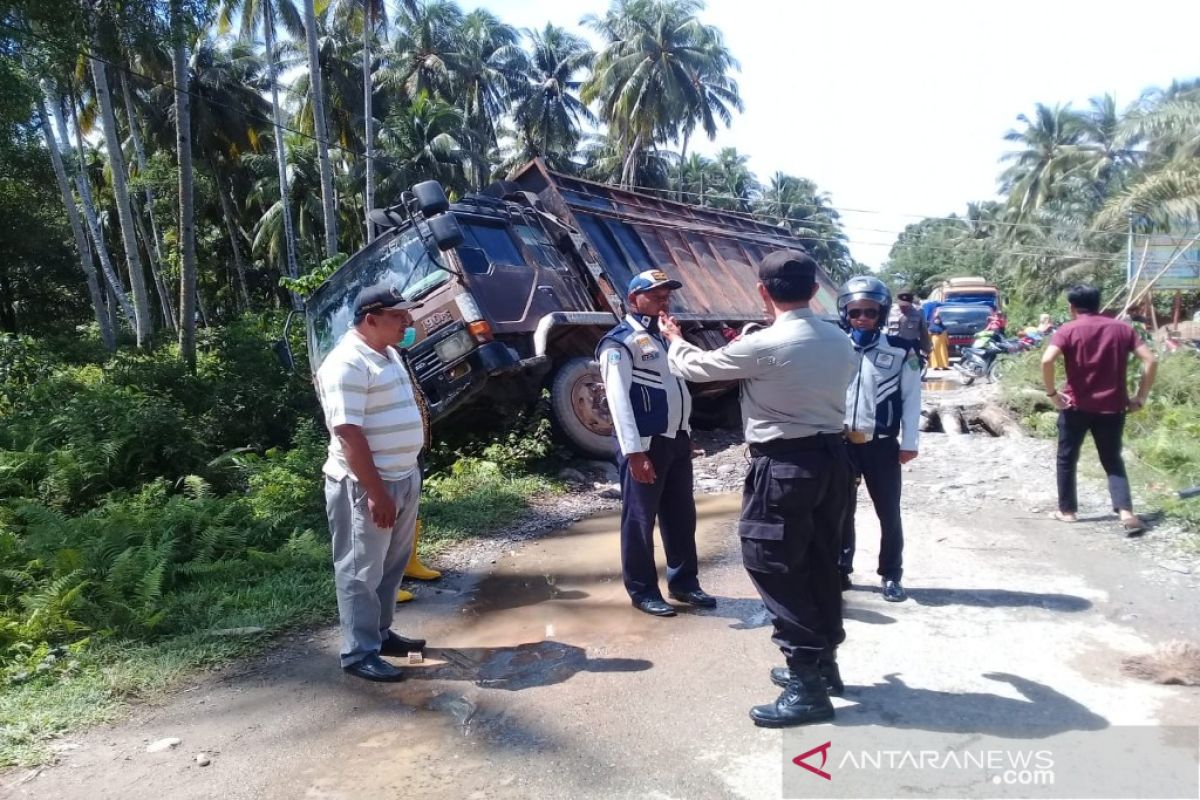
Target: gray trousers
<point>368,561</point>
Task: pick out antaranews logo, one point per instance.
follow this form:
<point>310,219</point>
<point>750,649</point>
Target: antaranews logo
<point>823,749</point>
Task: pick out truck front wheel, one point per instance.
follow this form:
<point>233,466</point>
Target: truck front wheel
<point>579,409</point>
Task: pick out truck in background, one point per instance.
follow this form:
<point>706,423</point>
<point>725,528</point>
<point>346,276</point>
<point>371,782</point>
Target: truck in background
<point>964,305</point>
<point>520,281</point>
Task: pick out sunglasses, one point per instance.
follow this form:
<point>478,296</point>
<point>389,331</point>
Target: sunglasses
<point>869,313</point>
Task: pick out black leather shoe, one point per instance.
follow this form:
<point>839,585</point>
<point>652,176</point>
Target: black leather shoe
<point>397,645</point>
<point>696,597</point>
<point>374,668</point>
<point>804,701</point>
<point>893,592</point>
<point>655,606</point>
<point>782,676</point>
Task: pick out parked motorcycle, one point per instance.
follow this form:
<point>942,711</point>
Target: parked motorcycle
<point>985,361</point>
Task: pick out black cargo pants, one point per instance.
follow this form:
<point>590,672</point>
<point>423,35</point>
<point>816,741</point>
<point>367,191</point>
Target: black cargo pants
<point>793,502</point>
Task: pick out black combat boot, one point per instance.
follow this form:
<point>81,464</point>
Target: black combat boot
<point>804,701</point>
<point>827,666</point>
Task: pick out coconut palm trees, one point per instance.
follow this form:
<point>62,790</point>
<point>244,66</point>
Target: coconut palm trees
<point>549,112</point>
<point>661,73</point>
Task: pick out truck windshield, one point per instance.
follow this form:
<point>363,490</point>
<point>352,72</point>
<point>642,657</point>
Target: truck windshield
<point>402,261</point>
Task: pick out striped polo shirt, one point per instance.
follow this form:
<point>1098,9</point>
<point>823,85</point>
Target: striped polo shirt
<point>361,386</point>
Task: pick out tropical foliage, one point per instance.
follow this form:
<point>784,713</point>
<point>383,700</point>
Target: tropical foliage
<point>1074,184</point>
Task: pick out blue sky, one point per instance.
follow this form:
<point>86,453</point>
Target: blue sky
<point>899,109</point>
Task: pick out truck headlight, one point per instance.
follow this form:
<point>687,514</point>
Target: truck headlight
<point>454,347</point>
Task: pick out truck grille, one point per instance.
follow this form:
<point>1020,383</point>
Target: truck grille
<point>426,365</point>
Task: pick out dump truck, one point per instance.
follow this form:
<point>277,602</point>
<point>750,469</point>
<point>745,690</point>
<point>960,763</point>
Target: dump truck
<point>520,281</point>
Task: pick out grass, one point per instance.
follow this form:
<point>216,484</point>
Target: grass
<point>1162,441</point>
<point>474,498</point>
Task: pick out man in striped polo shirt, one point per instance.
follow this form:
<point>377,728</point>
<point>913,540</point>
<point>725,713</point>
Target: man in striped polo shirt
<point>372,483</point>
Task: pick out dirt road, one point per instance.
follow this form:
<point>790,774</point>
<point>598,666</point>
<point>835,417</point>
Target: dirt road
<point>542,681</point>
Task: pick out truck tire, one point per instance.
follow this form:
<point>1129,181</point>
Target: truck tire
<point>579,410</point>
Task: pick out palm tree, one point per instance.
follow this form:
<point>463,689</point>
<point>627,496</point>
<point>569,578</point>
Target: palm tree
<point>798,205</point>
<point>83,185</point>
<point>645,78</point>
<point>605,160</point>
<point>491,68</point>
<point>1049,154</point>
<point>424,54</point>
<point>424,140</point>
<point>143,325</point>
<point>322,133</point>
<point>81,244</point>
<point>734,186</point>
<point>549,113</point>
<point>265,13</point>
<point>187,217</point>
<point>303,193</point>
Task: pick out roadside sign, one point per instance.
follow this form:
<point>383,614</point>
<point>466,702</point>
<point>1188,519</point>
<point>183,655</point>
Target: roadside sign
<point>1160,249</point>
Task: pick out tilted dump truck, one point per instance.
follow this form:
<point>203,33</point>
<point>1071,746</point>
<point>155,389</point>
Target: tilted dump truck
<point>520,282</point>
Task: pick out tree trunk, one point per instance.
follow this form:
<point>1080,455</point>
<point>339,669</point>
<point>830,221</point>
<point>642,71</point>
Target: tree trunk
<point>187,221</point>
<point>116,291</point>
<point>321,128</point>
<point>682,162</point>
<point>153,241</point>
<point>290,267</point>
<point>81,243</point>
<point>368,116</point>
<point>143,327</point>
<point>629,170</point>
<point>230,228</point>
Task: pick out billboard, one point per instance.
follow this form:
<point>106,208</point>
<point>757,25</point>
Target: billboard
<point>1158,250</point>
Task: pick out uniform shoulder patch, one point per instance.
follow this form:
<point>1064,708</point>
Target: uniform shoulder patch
<point>614,355</point>
<point>913,363</point>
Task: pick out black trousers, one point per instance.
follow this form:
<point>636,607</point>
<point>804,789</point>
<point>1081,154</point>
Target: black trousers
<point>792,508</point>
<point>669,500</point>
<point>1106,430</point>
<point>877,464</point>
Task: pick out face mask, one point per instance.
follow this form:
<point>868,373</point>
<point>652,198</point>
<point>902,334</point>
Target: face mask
<point>863,338</point>
<point>410,337</point>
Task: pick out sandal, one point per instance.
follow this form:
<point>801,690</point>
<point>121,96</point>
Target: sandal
<point>1133,527</point>
<point>1063,517</point>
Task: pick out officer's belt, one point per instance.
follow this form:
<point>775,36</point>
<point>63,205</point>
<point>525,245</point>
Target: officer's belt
<point>778,447</point>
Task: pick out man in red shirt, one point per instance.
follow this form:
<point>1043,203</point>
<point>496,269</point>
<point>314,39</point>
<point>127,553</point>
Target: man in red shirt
<point>1095,351</point>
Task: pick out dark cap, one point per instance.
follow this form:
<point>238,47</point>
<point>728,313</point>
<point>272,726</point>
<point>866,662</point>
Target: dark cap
<point>787,264</point>
<point>379,298</point>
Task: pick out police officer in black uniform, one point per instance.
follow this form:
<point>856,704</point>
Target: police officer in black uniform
<point>650,409</point>
<point>794,376</point>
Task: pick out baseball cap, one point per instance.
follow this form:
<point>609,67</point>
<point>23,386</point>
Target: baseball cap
<point>379,298</point>
<point>787,264</point>
<point>652,279</point>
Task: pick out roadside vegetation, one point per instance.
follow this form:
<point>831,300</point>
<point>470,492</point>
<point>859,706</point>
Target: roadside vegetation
<point>1163,438</point>
<point>155,520</point>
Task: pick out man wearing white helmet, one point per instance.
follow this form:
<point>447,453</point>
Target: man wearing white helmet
<point>883,414</point>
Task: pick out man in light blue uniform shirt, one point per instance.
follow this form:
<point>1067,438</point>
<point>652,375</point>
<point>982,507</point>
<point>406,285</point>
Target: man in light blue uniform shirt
<point>650,407</point>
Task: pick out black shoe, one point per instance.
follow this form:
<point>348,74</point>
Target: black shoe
<point>893,592</point>
<point>397,645</point>
<point>782,676</point>
<point>847,584</point>
<point>804,701</point>
<point>374,668</point>
<point>696,597</point>
<point>655,606</point>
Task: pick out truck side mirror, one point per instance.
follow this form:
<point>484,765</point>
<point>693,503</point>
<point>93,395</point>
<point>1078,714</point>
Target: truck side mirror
<point>283,354</point>
<point>431,198</point>
<point>446,232</point>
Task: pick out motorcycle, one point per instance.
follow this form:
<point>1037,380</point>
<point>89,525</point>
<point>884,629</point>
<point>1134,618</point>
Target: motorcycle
<point>984,361</point>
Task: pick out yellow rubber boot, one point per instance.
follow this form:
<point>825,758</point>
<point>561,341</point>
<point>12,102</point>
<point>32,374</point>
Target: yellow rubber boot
<point>415,569</point>
<point>403,596</point>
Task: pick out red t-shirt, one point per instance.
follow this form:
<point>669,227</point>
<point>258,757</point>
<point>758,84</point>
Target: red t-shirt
<point>1096,350</point>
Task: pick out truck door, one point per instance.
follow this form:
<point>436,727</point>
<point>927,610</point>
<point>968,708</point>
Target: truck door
<point>517,279</point>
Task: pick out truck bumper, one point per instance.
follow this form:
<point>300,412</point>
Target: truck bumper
<point>455,384</point>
